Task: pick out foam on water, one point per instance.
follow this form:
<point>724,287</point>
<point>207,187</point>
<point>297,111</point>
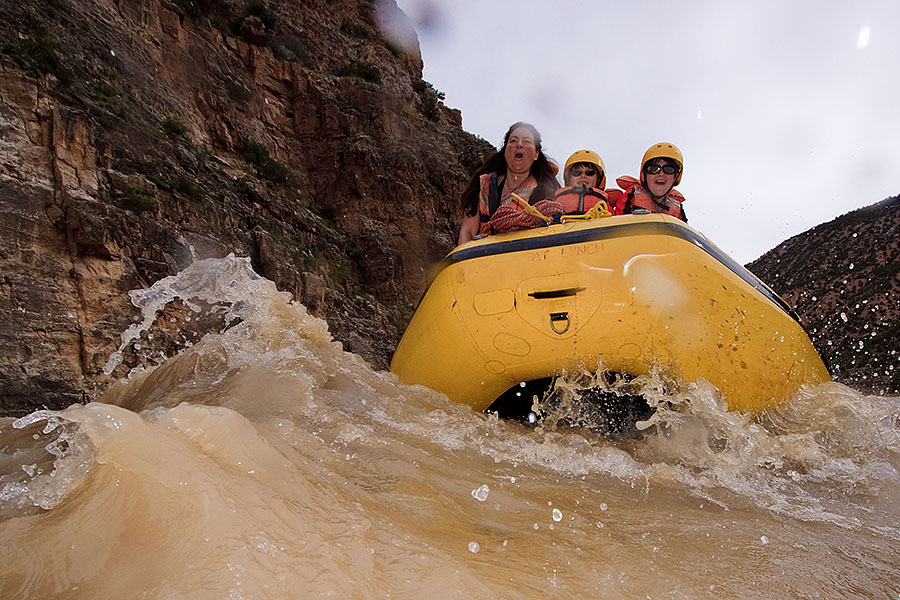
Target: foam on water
<point>264,461</point>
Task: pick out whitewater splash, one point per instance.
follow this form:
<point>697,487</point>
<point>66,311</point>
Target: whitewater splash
<point>266,462</point>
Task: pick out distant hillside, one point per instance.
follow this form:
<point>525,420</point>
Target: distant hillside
<point>842,278</point>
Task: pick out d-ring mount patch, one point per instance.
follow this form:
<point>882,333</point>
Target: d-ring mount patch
<point>555,318</point>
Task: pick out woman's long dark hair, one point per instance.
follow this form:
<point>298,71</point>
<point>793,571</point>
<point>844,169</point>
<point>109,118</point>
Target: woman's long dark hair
<point>541,169</point>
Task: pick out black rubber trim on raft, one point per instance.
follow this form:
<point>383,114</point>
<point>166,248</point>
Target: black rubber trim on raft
<point>616,231</point>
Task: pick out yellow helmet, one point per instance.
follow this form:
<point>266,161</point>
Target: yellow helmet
<point>590,157</point>
<point>664,150</point>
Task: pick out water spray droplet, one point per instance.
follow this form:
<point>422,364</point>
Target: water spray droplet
<point>862,41</point>
<point>481,493</point>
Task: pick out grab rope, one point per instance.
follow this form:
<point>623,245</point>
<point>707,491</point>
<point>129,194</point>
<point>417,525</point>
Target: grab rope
<point>529,209</point>
<point>545,212</point>
<point>598,211</point>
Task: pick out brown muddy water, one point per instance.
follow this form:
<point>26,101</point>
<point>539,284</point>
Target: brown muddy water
<point>266,462</point>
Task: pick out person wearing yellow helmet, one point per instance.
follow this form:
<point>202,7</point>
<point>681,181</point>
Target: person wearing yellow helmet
<point>661,169</point>
<point>584,177</point>
<point>585,168</point>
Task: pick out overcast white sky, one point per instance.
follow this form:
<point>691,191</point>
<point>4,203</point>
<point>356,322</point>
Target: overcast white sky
<point>787,111</point>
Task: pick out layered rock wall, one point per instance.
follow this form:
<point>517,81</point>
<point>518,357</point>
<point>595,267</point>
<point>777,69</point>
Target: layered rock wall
<point>139,135</point>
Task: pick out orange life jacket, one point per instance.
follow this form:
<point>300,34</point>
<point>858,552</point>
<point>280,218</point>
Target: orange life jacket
<point>579,200</point>
<point>634,196</point>
<point>614,199</point>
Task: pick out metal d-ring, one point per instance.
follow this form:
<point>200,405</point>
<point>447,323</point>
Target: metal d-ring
<point>561,316</point>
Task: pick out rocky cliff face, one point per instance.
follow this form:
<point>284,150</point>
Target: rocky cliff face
<point>842,279</point>
<point>138,135</point>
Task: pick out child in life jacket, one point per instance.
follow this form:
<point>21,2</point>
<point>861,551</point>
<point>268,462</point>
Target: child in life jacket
<point>584,177</point>
<point>661,170</point>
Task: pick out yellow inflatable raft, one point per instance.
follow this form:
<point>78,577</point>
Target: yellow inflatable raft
<point>627,291</point>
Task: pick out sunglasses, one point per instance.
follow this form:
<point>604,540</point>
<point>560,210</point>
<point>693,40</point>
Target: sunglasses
<point>580,172</point>
<point>652,169</point>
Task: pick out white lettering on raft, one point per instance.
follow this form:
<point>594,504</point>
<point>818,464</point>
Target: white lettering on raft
<point>566,251</point>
